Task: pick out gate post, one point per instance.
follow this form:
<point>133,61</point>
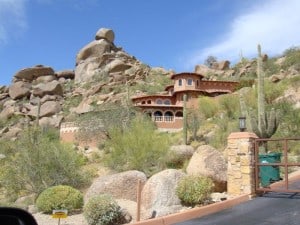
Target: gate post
<point>240,170</point>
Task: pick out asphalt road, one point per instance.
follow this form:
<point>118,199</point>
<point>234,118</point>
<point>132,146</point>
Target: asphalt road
<point>270,209</point>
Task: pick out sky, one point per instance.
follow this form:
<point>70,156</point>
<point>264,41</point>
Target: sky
<point>174,34</point>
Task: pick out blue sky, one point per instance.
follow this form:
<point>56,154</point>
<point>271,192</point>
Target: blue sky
<point>174,34</point>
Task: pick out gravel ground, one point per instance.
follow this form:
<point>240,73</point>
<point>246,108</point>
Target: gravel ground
<point>43,219</point>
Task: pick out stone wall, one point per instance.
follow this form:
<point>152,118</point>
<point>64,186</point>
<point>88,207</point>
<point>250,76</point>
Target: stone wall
<point>240,172</point>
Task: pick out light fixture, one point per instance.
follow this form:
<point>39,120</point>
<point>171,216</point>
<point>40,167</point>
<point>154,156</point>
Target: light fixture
<point>242,123</point>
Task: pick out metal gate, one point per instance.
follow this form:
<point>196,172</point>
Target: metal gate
<point>277,165</point>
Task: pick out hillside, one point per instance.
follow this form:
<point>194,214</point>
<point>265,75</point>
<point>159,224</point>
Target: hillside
<point>96,96</point>
<point>105,76</point>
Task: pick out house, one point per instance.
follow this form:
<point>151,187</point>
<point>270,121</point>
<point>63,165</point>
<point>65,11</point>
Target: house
<point>166,109</point>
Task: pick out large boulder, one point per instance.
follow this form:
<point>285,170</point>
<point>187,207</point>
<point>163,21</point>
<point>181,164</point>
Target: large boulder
<point>105,33</point>
<point>19,90</point>
<point>51,88</point>
<point>120,186</point>
<point>117,65</point>
<point>32,73</point>
<point>209,162</point>
<point>67,74</point>
<point>47,109</point>
<point>159,193</point>
<point>178,154</point>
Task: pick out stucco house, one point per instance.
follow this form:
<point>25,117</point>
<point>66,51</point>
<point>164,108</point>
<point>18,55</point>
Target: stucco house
<point>166,110</point>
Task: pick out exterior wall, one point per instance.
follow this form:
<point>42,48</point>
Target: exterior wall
<point>177,123</point>
<point>217,85</point>
<point>240,171</point>
<point>68,132</point>
<point>184,78</point>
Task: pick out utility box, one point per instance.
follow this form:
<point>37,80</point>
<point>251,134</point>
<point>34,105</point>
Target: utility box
<point>269,174</point>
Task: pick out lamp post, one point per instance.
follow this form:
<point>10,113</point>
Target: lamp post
<point>242,123</point>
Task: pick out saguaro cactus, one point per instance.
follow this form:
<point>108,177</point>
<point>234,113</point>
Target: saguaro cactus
<point>266,123</point>
<point>184,119</point>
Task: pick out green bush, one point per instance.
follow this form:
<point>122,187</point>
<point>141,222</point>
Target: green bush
<point>59,197</point>
<point>37,160</point>
<point>103,210</point>
<point>140,147</point>
<point>194,190</point>
<point>208,107</point>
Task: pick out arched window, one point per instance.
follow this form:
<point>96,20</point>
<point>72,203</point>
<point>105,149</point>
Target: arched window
<point>149,102</point>
<point>169,116</point>
<point>143,102</point>
<point>189,81</point>
<point>148,113</point>
<point>179,82</point>
<point>159,102</point>
<point>167,102</point>
<point>197,83</point>
<point>158,116</point>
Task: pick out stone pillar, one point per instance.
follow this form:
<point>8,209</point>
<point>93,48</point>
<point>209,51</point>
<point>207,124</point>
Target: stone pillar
<point>240,171</point>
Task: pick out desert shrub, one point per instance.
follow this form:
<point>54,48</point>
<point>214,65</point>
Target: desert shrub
<point>292,57</point>
<point>208,107</point>
<point>193,190</point>
<point>140,147</point>
<point>59,197</point>
<point>230,105</point>
<point>273,91</point>
<point>103,210</point>
<point>37,160</point>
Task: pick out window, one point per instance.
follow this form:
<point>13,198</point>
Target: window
<point>159,101</point>
<point>190,81</point>
<point>179,114</point>
<point>197,83</point>
<point>169,116</point>
<point>143,102</point>
<point>167,102</point>
<point>149,102</point>
<point>179,82</point>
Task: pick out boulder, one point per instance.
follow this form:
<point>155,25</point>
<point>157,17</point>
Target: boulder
<point>93,49</point>
<point>67,74</point>
<point>83,107</point>
<point>19,90</point>
<point>7,112</point>
<point>180,153</point>
<point>105,33</point>
<point>32,73</point>
<point>209,162</point>
<point>121,185</point>
<point>117,65</point>
<point>47,109</point>
<point>51,121</point>
<point>12,133</point>
<point>45,79</point>
<point>159,193</point>
<point>51,88</point>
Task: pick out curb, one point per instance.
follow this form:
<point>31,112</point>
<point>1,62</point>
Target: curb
<point>195,212</point>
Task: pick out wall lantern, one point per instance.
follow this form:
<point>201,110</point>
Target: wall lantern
<point>242,123</point>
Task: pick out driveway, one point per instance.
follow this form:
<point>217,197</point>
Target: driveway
<point>270,209</point>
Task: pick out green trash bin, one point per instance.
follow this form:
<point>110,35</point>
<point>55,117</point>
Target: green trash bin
<point>269,174</point>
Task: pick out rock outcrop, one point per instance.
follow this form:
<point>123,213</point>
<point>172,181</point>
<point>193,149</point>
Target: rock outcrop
<point>120,185</point>
<point>209,162</point>
<point>159,193</point>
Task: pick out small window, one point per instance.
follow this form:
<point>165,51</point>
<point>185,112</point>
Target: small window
<point>149,102</point>
<point>190,82</point>
<point>143,102</point>
<point>197,83</point>
<point>179,82</point>
<point>167,102</point>
<point>159,102</point>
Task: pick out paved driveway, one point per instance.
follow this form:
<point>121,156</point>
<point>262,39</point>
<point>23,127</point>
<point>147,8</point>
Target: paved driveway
<point>270,209</point>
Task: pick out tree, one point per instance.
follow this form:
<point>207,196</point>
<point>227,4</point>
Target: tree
<point>37,160</point>
<point>210,60</point>
<point>139,147</point>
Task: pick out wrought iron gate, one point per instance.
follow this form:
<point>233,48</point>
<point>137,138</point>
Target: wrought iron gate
<point>277,165</point>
